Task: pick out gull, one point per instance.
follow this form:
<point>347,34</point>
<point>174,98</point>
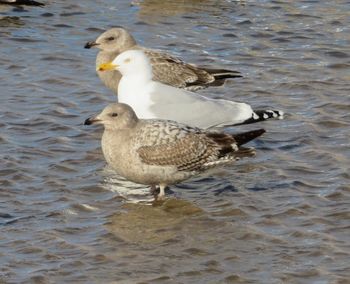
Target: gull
<point>166,68</point>
<point>151,99</point>
<point>22,2</point>
<point>164,152</point>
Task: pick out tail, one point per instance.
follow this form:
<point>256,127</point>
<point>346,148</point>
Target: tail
<point>27,2</point>
<point>220,75</point>
<point>261,115</point>
<point>245,137</point>
<point>244,153</point>
<point>223,73</point>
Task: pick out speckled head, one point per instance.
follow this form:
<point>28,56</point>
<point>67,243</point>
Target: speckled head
<point>115,117</point>
<point>114,40</point>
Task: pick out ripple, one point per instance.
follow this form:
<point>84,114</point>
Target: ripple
<point>281,217</point>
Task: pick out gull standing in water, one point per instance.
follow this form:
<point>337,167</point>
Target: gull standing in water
<point>167,69</point>
<point>163,152</point>
<point>151,99</point>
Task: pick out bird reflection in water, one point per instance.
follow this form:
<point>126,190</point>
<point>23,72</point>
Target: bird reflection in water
<point>152,11</point>
<point>141,223</point>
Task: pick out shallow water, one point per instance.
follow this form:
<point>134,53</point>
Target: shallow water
<point>282,217</point>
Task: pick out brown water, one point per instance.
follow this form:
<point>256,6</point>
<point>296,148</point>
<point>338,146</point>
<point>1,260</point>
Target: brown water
<point>282,217</point>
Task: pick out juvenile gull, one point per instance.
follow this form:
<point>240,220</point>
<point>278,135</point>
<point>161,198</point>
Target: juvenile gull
<point>151,99</point>
<point>22,2</point>
<point>164,152</point>
<point>167,69</point>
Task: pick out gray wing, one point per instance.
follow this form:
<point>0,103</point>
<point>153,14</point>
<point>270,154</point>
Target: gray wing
<point>196,110</point>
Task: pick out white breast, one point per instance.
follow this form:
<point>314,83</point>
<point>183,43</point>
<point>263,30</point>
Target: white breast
<point>134,93</point>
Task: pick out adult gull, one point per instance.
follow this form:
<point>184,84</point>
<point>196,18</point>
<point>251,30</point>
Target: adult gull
<point>152,99</point>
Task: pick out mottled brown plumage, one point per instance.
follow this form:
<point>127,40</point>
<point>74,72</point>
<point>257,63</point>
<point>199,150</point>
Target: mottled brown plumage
<point>163,152</point>
<point>194,152</point>
<point>166,68</point>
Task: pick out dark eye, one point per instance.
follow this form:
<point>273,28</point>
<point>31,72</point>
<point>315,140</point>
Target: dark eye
<point>114,114</point>
<point>110,38</point>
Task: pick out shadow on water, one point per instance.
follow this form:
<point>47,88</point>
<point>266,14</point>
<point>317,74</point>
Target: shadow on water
<point>158,223</point>
<point>9,219</point>
<point>152,11</point>
<point>8,21</point>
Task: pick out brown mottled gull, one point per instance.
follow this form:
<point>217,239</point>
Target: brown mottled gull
<point>163,152</point>
<point>167,69</point>
<point>151,99</point>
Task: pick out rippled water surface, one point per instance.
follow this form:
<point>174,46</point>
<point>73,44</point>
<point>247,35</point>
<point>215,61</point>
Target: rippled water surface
<point>282,217</point>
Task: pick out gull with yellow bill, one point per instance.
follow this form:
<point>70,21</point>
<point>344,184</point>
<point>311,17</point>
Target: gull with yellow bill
<point>154,100</point>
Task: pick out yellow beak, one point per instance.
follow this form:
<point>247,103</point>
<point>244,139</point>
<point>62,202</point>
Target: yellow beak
<point>107,67</point>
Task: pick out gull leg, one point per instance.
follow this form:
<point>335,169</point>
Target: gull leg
<point>161,194</point>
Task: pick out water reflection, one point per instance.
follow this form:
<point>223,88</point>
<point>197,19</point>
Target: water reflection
<point>160,222</point>
<point>152,11</point>
<point>8,21</point>
<point>129,191</point>
<point>135,193</point>
<point>4,8</point>
<point>58,223</point>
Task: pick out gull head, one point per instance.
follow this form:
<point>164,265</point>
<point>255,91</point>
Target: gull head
<point>131,62</point>
<point>113,40</point>
<point>115,117</point>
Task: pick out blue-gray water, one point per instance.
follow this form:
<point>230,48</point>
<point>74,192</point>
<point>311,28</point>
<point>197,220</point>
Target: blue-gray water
<point>281,217</point>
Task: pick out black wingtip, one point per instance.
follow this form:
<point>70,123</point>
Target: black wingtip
<point>88,121</point>
<point>27,3</point>
<point>245,137</point>
<point>228,75</point>
<point>261,115</point>
<point>222,74</point>
<point>39,4</point>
